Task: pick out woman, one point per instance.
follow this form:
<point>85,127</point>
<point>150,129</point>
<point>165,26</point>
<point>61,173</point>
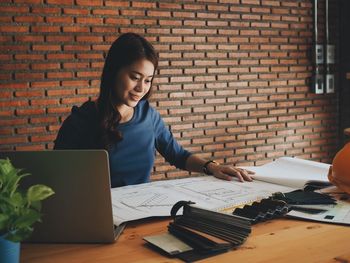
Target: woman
<point>123,122</point>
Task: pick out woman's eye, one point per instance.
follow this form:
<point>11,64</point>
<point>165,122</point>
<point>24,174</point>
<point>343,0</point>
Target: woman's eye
<point>134,78</point>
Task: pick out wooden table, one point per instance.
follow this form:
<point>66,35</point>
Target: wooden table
<point>279,240</point>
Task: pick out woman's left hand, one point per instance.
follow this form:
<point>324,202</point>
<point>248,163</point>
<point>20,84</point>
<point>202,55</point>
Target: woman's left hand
<point>228,172</point>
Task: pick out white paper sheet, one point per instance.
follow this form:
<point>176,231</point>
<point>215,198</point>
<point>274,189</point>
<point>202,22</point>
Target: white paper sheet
<point>292,172</point>
<point>157,198</point>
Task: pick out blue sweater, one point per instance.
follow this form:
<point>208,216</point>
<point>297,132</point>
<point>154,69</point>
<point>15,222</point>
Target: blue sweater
<point>132,159</point>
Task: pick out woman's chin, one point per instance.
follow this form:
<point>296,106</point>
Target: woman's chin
<point>133,103</point>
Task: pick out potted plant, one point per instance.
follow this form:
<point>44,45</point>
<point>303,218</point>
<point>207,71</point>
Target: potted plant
<point>19,210</point>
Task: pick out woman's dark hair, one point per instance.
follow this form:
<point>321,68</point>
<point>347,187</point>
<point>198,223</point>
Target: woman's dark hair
<point>126,50</point>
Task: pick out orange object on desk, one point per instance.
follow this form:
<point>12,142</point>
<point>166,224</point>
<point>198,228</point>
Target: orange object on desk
<point>340,172</point>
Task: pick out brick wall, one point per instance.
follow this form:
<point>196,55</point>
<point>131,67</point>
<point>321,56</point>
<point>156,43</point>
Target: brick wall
<point>231,83</point>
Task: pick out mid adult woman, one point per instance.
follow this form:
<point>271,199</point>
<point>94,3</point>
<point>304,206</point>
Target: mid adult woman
<point>122,121</point>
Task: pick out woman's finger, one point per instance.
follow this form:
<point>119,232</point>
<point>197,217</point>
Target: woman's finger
<point>238,175</point>
<point>234,172</point>
<point>248,171</point>
<point>223,176</point>
<point>244,174</point>
<point>228,172</point>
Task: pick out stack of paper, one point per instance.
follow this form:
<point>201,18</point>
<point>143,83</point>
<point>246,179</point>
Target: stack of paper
<point>292,172</point>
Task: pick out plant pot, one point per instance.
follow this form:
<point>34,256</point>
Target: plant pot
<point>9,251</point>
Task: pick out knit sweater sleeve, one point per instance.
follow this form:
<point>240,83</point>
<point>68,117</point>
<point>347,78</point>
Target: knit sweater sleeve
<point>167,145</point>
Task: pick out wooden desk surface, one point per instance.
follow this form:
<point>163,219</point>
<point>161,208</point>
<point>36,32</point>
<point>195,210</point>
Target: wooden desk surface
<point>279,240</point>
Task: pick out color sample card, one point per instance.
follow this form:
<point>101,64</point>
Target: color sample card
<point>168,243</point>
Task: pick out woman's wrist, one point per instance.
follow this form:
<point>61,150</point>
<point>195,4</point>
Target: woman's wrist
<point>208,167</point>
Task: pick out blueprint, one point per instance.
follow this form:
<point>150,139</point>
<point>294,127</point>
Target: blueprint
<point>157,198</point>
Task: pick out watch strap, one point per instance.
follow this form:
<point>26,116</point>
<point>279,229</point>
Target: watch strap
<point>205,167</point>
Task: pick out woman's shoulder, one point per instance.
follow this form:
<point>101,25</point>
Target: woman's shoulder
<point>86,113</point>
<point>79,129</point>
<point>87,108</point>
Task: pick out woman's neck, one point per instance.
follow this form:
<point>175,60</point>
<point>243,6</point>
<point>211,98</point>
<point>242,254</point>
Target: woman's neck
<point>126,113</point>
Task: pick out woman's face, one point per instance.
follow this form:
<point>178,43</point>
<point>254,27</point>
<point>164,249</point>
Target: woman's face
<point>133,82</point>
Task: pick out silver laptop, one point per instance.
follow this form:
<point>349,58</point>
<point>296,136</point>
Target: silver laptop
<point>80,211</point>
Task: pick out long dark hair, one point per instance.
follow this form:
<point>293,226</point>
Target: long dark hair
<point>126,50</point>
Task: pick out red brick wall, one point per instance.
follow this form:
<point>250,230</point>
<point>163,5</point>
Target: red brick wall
<point>231,83</point>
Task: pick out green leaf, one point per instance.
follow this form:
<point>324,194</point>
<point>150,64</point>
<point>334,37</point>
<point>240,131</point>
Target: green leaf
<point>17,200</point>
<point>3,221</point>
<point>5,166</point>
<point>26,220</point>
<point>5,200</point>
<point>18,211</point>
<point>19,234</point>
<point>38,192</point>
<point>36,205</point>
<point>9,180</point>
<point>13,185</point>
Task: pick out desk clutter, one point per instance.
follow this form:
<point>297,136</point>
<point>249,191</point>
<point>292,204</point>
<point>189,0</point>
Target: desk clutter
<point>280,204</point>
<point>302,197</point>
<point>200,233</point>
<point>263,210</point>
<point>329,205</point>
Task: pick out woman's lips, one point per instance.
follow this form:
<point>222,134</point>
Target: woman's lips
<point>135,97</point>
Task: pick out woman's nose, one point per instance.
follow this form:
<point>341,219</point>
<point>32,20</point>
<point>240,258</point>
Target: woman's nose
<point>140,86</point>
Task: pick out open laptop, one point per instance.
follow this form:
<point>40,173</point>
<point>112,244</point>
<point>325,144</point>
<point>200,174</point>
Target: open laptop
<point>80,211</point>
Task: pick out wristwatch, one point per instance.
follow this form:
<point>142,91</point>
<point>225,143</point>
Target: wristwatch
<point>205,167</point>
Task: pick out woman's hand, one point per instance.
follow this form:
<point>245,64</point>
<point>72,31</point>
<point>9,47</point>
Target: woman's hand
<point>228,172</point>
<point>195,163</point>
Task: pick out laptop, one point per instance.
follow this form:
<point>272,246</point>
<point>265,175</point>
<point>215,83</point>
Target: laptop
<point>80,211</point>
